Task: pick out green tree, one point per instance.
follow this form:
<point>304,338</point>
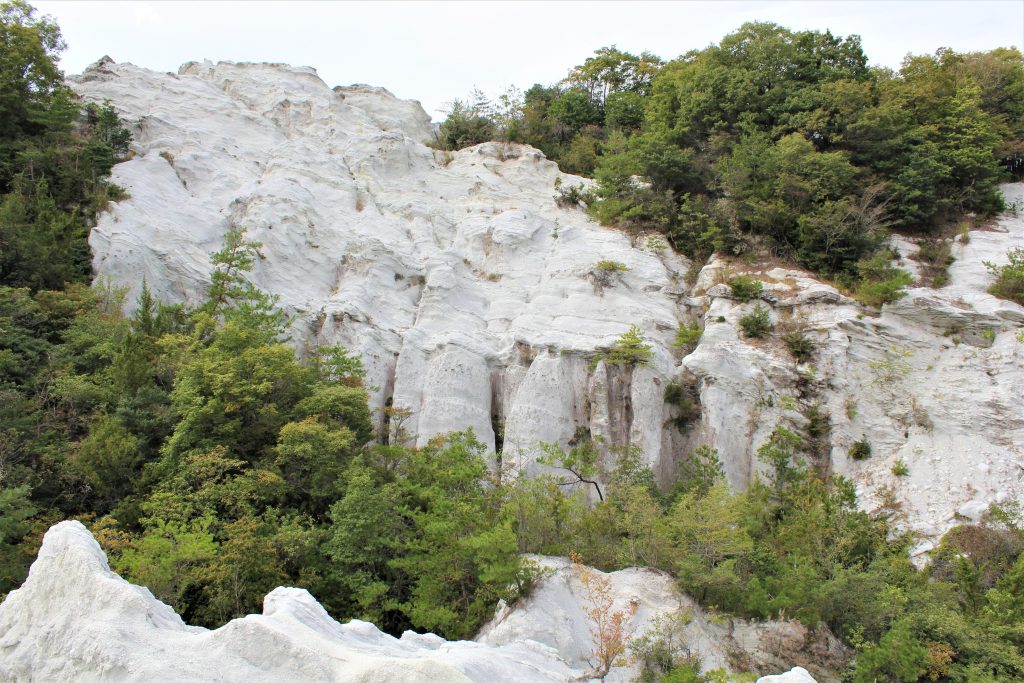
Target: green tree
<point>33,95</point>
<point>629,349</point>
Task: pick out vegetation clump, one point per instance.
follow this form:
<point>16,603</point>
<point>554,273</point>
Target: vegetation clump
<point>778,138</point>
<point>629,350</point>
<point>1009,278</point>
<point>688,336</point>
<point>746,288</point>
<point>799,345</point>
<point>758,323</point>
<point>860,450</point>
<point>605,272</point>
<point>880,282</point>
<point>936,256</point>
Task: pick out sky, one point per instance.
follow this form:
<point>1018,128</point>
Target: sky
<point>437,51</point>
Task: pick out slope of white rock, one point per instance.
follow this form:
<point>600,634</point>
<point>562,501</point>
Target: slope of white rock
<point>74,619</point>
<point>471,298</point>
<point>465,289</point>
<point>556,615</point>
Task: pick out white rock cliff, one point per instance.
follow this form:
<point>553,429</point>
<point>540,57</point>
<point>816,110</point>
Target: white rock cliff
<point>74,619</point>
<point>473,301</point>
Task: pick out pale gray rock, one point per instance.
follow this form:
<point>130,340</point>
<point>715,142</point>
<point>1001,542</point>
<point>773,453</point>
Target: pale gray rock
<point>472,297</point>
<point>74,619</point>
<point>795,675</point>
<point>556,615</point>
<point>438,269</point>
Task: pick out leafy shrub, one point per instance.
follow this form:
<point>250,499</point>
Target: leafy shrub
<point>571,196</point>
<point>684,396</point>
<point>936,257</point>
<point>900,469</point>
<point>688,336</point>
<point>605,273</point>
<point>757,323</point>
<point>606,266</point>
<point>1009,282</point>
<point>746,288</point>
<point>799,344</point>
<point>880,282</point>
<point>629,349</point>
<point>861,450</point>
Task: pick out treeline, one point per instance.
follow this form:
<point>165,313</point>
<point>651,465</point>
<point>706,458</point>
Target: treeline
<point>774,139</point>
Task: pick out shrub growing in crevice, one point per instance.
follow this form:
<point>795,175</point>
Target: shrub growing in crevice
<point>799,344</point>
<point>860,450</point>
<point>880,281</point>
<point>935,257</point>
<point>683,395</point>
<point>746,288</point>
<point>757,324</point>
<point>688,336</point>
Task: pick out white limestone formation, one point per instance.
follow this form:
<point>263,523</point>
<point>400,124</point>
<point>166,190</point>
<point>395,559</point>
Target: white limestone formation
<point>560,613</point>
<point>74,619</point>
<point>465,289</point>
<point>471,296</point>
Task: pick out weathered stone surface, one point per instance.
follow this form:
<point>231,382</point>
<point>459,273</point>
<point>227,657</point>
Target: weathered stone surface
<point>74,619</point>
<point>472,299</point>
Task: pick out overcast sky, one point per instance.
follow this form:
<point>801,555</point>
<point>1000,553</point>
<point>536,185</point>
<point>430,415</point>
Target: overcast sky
<point>436,51</point>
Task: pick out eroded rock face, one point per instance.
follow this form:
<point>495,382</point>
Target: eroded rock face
<point>559,614</point>
<point>74,619</point>
<point>468,293</point>
<point>472,297</point>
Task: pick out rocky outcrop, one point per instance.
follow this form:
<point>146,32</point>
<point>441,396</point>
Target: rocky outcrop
<point>560,613</point>
<point>467,291</point>
<point>472,297</point>
<point>74,619</point>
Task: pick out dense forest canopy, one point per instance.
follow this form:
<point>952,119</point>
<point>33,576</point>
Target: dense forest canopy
<point>213,462</point>
<point>774,139</point>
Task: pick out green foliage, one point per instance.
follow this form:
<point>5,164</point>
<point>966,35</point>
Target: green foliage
<point>860,450</point>
<point>52,172</point>
<point>572,196</point>
<point>709,540</point>
<point>15,511</point>
<point>699,471</point>
<point>606,266</point>
<point>1009,283</point>
<point>688,336</point>
<point>900,469</point>
<point>757,323</point>
<point>580,462</point>
<point>746,288</point>
<point>799,345</point>
<point>33,95</point>
<point>880,282</point>
<point>233,298</point>
<point>468,123</point>
<point>899,656</point>
<point>167,558</point>
<point>629,350</point>
<point>684,396</point>
<point>936,257</point>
